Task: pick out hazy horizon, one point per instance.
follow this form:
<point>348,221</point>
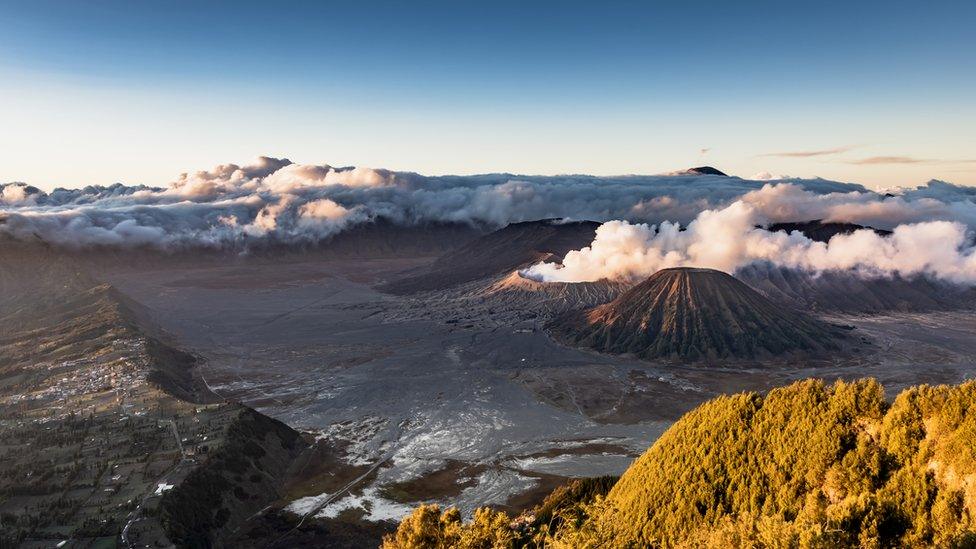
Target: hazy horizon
<point>762,175</point>
<point>95,94</point>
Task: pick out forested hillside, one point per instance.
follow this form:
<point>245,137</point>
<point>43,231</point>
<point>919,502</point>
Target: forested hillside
<point>807,465</point>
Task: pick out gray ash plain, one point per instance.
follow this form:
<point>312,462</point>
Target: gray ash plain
<point>473,409</point>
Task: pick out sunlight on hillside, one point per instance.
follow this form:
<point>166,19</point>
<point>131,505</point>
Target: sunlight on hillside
<point>808,465</point>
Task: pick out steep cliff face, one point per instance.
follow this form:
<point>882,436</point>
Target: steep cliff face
<point>236,481</point>
<point>83,361</point>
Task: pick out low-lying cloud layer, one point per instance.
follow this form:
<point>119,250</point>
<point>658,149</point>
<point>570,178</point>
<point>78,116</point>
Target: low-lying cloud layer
<point>276,200</point>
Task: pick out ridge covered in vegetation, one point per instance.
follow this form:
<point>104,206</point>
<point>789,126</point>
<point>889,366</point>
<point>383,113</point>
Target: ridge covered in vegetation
<point>807,465</point>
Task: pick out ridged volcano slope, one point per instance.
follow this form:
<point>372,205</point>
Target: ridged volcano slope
<point>693,314</point>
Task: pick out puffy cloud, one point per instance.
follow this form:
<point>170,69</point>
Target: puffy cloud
<point>767,176</point>
<point>277,199</point>
<point>933,201</point>
<point>324,217</point>
<point>729,238</point>
<point>18,193</point>
<point>225,179</point>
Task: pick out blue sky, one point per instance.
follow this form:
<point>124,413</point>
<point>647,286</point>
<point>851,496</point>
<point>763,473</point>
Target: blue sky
<point>99,92</point>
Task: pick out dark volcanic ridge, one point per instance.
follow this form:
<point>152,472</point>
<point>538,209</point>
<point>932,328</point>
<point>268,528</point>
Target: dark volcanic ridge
<point>848,292</point>
<point>822,231</point>
<point>73,347</point>
<point>500,252</point>
<point>52,310</point>
<point>695,314</point>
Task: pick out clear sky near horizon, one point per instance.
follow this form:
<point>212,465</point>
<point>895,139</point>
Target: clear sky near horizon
<point>880,93</point>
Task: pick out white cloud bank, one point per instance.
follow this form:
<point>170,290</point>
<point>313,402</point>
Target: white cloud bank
<point>276,200</point>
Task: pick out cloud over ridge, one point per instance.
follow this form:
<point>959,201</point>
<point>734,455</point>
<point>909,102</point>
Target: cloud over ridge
<point>278,200</point>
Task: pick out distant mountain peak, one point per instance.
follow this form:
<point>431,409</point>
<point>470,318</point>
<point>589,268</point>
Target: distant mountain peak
<point>700,170</point>
<point>706,170</point>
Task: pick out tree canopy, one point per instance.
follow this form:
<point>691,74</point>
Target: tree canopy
<point>806,465</point>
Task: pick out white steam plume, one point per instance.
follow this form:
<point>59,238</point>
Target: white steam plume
<point>728,239</point>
